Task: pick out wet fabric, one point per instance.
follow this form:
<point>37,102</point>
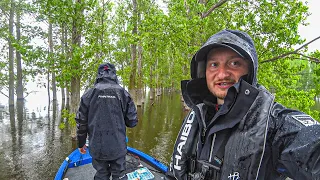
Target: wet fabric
<point>238,41</point>
<point>107,169</point>
<point>104,113</point>
<point>267,141</point>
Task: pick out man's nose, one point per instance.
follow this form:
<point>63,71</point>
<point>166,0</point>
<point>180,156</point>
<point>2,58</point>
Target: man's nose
<point>223,72</point>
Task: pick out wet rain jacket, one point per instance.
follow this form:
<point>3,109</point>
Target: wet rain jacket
<point>259,138</point>
<point>103,115</point>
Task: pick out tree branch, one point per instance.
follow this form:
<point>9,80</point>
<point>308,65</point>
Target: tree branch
<point>292,52</point>
<point>307,43</point>
<point>4,94</point>
<point>28,93</point>
<point>215,6</point>
<point>316,60</point>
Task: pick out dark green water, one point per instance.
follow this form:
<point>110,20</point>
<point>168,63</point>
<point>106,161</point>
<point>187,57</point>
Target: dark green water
<point>159,124</point>
<point>33,147</point>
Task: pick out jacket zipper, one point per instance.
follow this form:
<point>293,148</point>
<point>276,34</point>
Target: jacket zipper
<point>212,145</point>
<point>204,129</point>
<point>203,136</point>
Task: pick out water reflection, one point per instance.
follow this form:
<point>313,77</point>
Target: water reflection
<point>159,124</point>
<point>33,147</point>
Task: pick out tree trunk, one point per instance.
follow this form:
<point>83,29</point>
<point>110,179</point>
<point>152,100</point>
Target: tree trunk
<point>158,84</point>
<point>144,90</point>
<point>75,99</point>
<point>68,98</point>
<point>11,60</point>
<point>49,68</point>
<point>63,97</point>
<point>67,84</point>
<point>132,82</point>
<point>53,75</point>
<point>159,90</point>
<point>20,106</point>
<point>75,94</point>
<point>151,95</point>
<point>63,51</point>
<point>75,79</point>
<point>48,92</point>
<point>19,89</point>
<point>139,79</point>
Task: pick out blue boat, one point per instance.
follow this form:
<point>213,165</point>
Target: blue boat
<point>140,166</point>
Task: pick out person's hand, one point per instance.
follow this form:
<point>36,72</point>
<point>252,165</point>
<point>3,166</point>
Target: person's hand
<point>83,150</point>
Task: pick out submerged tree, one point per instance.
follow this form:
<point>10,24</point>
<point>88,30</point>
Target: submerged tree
<point>152,46</point>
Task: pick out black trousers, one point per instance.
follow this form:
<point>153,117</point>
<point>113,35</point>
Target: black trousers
<point>105,169</point>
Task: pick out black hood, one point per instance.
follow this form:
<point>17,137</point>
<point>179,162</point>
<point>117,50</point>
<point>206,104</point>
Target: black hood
<point>106,72</point>
<point>238,41</point>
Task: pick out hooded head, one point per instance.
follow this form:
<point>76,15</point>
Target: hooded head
<point>106,71</point>
<point>238,41</point>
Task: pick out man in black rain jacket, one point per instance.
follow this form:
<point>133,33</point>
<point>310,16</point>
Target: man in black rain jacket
<point>235,130</point>
<point>103,115</point>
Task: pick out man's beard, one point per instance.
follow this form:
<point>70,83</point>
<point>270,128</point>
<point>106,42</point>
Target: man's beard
<point>219,95</point>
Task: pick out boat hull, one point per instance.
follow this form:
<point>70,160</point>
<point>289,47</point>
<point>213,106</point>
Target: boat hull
<point>78,166</point>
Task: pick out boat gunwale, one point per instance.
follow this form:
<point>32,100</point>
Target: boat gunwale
<point>86,159</point>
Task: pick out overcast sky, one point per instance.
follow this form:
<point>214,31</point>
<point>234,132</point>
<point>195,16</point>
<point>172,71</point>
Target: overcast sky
<point>313,29</point>
<point>308,32</point>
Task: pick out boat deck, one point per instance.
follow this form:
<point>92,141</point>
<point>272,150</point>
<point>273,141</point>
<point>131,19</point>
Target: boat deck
<point>87,172</point>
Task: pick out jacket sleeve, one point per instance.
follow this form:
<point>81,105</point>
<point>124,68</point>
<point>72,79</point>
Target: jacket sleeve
<point>184,151</point>
<point>130,116</point>
<point>296,145</point>
<point>82,118</point>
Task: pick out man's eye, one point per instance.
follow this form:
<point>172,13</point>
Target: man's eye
<point>213,65</point>
<point>235,63</point>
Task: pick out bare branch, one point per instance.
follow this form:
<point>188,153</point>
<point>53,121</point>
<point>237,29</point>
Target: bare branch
<point>310,58</point>
<point>28,93</point>
<point>307,43</point>
<point>4,94</point>
<point>292,52</point>
<point>278,57</point>
<point>215,6</point>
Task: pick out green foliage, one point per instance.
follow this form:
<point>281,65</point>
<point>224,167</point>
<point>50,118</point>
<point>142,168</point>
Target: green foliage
<point>70,118</point>
<point>291,83</point>
<point>62,125</point>
<point>169,37</point>
<point>315,69</point>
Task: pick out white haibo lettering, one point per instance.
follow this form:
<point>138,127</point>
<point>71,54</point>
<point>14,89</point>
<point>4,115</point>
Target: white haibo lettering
<point>183,139</point>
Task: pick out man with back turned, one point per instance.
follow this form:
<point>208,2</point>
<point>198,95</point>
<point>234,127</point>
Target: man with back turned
<point>104,112</point>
